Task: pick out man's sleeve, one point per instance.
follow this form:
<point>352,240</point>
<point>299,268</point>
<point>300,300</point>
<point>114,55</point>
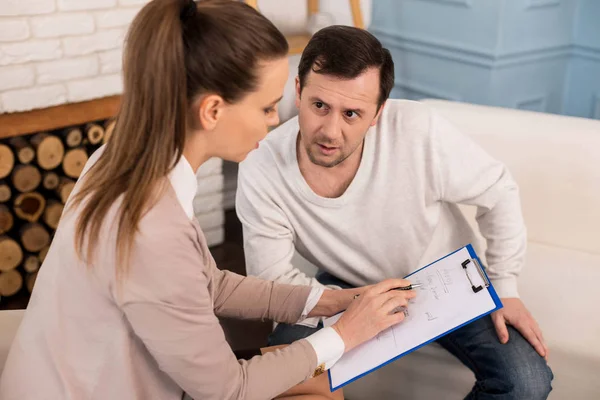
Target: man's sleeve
<point>268,235</point>
<point>468,175</point>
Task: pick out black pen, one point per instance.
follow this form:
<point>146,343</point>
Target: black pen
<point>409,287</point>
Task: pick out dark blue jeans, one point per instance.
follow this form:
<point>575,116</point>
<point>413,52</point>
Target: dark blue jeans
<point>503,371</point>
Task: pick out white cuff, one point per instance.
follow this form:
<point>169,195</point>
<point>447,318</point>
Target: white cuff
<point>311,302</point>
<point>328,345</point>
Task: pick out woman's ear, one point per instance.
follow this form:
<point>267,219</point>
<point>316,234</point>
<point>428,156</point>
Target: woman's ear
<point>209,111</point>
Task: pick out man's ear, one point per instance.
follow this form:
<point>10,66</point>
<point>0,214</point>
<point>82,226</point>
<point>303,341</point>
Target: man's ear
<point>374,122</point>
<point>210,109</point>
<point>298,90</point>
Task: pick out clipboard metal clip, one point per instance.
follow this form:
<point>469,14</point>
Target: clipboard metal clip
<point>486,281</point>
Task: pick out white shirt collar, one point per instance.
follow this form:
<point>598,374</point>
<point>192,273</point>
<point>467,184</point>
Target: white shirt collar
<point>184,182</point>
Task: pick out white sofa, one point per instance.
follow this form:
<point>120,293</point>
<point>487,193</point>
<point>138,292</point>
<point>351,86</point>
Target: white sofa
<point>556,161</point>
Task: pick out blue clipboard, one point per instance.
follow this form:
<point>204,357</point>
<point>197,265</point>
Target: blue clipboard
<point>488,287</point>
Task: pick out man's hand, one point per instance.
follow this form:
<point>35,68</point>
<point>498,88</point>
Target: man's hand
<point>514,313</point>
<point>335,301</point>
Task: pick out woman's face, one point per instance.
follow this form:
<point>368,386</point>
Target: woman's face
<point>243,124</point>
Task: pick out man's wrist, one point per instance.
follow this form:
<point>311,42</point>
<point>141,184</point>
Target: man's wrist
<point>327,304</point>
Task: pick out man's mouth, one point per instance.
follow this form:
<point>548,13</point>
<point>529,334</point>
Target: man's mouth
<point>326,150</point>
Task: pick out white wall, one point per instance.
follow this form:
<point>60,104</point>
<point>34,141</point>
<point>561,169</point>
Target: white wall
<point>58,51</point>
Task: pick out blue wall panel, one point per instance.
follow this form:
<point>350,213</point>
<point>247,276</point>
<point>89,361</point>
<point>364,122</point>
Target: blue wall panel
<point>447,23</point>
<point>541,55</point>
<point>583,80</point>
<point>532,25</point>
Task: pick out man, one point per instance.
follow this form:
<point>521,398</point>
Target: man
<point>368,188</point>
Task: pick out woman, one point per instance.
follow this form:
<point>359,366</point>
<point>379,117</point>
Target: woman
<point>126,304</point>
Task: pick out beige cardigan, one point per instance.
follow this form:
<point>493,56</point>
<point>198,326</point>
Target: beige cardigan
<point>83,339</point>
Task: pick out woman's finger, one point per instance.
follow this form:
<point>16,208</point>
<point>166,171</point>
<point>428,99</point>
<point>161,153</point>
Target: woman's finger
<point>389,284</point>
<point>394,302</point>
<point>393,319</point>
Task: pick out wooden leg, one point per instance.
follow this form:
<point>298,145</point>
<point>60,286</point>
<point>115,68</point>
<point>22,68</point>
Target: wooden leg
<point>313,389</point>
<point>357,18</point>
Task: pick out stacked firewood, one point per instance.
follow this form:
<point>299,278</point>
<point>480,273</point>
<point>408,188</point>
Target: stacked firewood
<point>37,174</point>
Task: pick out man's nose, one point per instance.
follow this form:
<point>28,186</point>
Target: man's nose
<point>332,128</point>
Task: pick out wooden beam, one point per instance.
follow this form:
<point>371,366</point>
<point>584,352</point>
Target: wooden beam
<point>357,17</point>
<point>313,6</point>
<point>47,119</point>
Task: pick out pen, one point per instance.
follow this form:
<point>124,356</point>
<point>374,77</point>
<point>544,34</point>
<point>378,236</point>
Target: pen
<point>409,287</point>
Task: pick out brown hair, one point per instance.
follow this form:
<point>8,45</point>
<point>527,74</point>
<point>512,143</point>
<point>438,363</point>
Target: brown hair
<point>175,51</point>
<point>346,52</point>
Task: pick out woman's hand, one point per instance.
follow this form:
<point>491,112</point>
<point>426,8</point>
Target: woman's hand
<point>373,312</point>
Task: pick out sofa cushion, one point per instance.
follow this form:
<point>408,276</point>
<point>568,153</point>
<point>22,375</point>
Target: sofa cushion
<point>553,158</point>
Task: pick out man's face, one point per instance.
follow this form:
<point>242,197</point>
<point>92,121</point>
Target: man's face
<point>335,114</point>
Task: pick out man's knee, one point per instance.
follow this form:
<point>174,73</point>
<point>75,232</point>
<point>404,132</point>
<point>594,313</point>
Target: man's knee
<point>531,381</point>
<point>287,334</point>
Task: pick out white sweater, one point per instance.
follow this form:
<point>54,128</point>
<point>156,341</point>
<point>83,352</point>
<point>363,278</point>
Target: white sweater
<point>399,213</point>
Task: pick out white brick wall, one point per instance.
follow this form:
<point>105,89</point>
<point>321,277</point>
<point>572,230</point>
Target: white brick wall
<point>52,26</point>
<point>68,69</point>
<point>102,86</point>
<point>62,51</point>
<point>12,30</point>
<point>58,51</point>
<point>27,7</point>
<point>16,77</point>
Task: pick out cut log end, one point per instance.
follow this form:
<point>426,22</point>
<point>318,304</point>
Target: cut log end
<point>74,162</point>
<point>26,178</point>
<point>31,264</point>
<point>5,192</point>
<point>94,133</point>
<point>50,150</point>
<point>10,283</point>
<point>64,189</point>
<point>29,206</point>
<point>34,237</point>
<point>6,219</point>
<point>11,254</point>
<point>25,153</point>
<point>7,161</point>
<point>50,180</point>
<point>73,137</point>
<point>53,213</point>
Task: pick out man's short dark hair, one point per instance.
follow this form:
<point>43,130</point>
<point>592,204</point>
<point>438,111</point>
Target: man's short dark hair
<point>346,52</point>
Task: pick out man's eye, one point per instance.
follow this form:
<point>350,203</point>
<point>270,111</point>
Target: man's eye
<point>318,104</point>
<point>269,110</point>
<point>350,114</point>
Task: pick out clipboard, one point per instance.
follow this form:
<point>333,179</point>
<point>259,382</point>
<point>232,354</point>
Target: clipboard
<point>466,282</point>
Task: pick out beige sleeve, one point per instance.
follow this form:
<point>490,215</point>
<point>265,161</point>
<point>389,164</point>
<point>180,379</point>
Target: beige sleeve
<point>243,297</point>
<point>167,301</point>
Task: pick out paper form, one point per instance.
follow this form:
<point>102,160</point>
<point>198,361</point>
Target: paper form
<point>444,302</point>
